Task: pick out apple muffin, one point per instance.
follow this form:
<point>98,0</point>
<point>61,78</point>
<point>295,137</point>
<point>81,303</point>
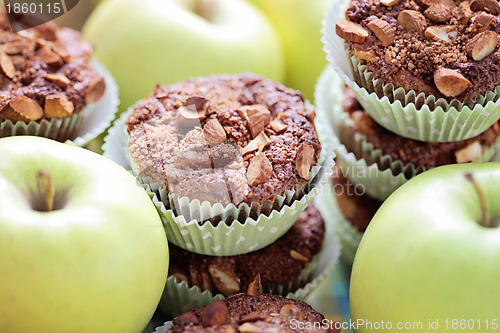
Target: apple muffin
<point>423,155</point>
<point>253,313</point>
<point>278,264</point>
<point>443,48</point>
<point>46,74</point>
<point>225,139</point>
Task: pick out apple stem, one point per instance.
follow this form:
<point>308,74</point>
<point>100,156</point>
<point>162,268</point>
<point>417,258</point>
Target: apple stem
<point>200,7</point>
<point>45,184</point>
<point>486,221</point>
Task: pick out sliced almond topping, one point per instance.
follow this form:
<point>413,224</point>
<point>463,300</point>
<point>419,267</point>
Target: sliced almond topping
<point>50,57</point>
<point>7,65</point>
<point>260,170</point>
<point>249,328</point>
<point>389,3</point>
<point>383,30</point>
<point>482,45</point>
<point>22,108</point>
<point>214,132</point>
<point>18,46</point>
<point>226,281</point>
<point>463,13</point>
<point>255,287</point>
<point>290,310</point>
<point>58,106</point>
<point>215,314</point>
<point>96,89</point>
<point>428,3</point>
<point>470,153</point>
<point>482,21</point>
<point>60,79</point>
<point>351,31</point>
<point>62,52</point>
<point>278,126</point>
<point>444,33</point>
<point>198,101</point>
<point>365,55</point>
<point>450,83</point>
<point>252,317</point>
<point>259,143</point>
<point>298,256</point>
<point>256,116</point>
<point>490,6</point>
<point>303,163</point>
<point>411,20</point>
<point>438,12</point>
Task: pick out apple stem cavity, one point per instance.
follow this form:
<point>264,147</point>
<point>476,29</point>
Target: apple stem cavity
<point>486,220</point>
<point>46,189</point>
<point>203,8</point>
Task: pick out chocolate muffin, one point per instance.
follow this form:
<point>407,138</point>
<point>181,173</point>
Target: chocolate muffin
<point>253,313</point>
<point>277,264</point>
<point>225,139</point>
<point>445,48</point>
<point>424,155</point>
<point>45,74</point>
<point>356,206</point>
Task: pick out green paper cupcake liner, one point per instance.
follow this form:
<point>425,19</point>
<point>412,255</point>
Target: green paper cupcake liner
<point>378,174</point>
<point>408,114</point>
<point>179,297</point>
<point>81,127</point>
<point>240,229</point>
<point>347,234</point>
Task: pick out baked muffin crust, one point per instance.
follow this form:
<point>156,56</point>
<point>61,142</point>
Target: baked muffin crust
<point>224,139</point>
<point>277,264</point>
<point>444,48</point>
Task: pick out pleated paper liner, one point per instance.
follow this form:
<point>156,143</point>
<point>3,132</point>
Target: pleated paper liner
<point>408,114</point>
<point>240,229</point>
<point>179,297</point>
<point>362,164</point>
<point>79,128</point>
<point>347,234</point>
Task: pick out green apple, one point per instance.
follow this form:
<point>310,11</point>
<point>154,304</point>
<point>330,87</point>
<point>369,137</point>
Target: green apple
<point>145,42</point>
<point>431,255</point>
<point>298,23</point>
<point>82,248</point>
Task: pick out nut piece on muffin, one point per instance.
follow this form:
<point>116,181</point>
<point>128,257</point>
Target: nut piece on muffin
<point>253,312</point>
<point>277,264</point>
<point>45,73</point>
<point>444,48</point>
<point>225,139</point>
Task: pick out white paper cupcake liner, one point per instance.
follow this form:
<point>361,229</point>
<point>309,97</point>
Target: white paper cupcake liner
<point>83,126</point>
<point>409,114</point>
<point>179,297</point>
<point>241,229</point>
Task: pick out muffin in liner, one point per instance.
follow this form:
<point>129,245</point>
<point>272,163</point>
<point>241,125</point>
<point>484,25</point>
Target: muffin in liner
<point>362,164</point>
<point>81,127</point>
<point>408,114</point>
<point>214,229</point>
<point>179,297</point>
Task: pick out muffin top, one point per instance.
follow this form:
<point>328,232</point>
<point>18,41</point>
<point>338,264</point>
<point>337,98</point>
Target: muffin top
<point>45,73</point>
<point>247,313</point>
<point>424,155</point>
<point>445,48</point>
<point>224,139</point>
<point>277,264</point>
